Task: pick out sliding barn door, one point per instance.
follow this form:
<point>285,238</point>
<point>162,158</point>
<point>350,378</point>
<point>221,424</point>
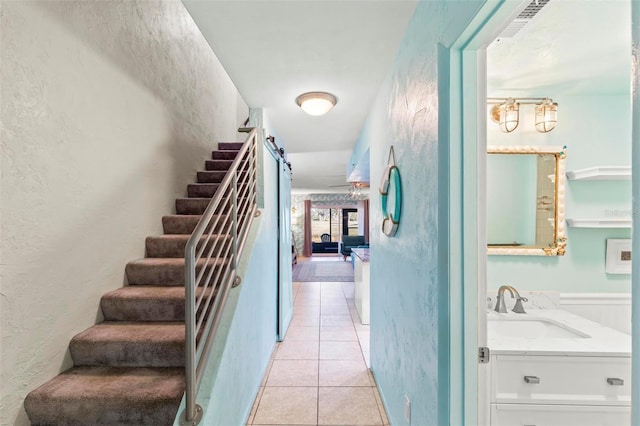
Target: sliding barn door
<point>285,285</point>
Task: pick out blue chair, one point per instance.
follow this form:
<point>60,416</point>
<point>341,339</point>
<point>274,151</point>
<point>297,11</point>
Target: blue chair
<point>349,242</point>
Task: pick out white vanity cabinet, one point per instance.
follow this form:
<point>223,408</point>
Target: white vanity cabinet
<point>560,390</point>
<point>559,415</point>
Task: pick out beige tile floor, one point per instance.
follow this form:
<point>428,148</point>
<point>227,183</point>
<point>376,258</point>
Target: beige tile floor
<point>319,374</point>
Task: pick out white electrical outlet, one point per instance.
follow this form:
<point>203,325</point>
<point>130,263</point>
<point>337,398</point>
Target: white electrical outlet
<point>407,409</point>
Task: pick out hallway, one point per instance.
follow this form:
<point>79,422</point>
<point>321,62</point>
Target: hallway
<point>319,374</point>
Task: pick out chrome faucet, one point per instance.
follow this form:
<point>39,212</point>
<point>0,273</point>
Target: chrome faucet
<point>501,307</point>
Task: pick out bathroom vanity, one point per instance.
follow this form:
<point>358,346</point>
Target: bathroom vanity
<point>550,367</point>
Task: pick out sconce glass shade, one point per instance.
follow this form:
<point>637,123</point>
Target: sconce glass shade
<point>509,115</point>
<point>546,116</point>
<point>316,103</point>
<point>494,113</point>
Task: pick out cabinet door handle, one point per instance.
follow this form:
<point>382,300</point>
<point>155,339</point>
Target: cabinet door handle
<point>614,381</point>
<point>534,380</point>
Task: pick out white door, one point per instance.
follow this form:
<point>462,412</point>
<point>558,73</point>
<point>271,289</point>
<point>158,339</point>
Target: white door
<point>285,290</point>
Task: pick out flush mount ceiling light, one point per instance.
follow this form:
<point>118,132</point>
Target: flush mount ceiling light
<point>316,103</point>
<point>506,112</point>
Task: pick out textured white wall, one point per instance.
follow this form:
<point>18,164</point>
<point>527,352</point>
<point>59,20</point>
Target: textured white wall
<point>108,109</point>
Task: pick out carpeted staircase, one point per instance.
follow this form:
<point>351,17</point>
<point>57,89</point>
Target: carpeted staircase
<point>129,369</point>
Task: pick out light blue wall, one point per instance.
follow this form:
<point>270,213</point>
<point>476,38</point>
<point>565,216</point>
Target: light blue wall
<point>361,147</point>
<point>597,132</point>
<point>252,332</point>
<point>358,166</point>
<point>404,278</point>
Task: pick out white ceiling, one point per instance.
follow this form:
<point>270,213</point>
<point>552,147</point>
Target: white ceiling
<point>323,170</point>
<point>573,47</point>
<point>275,50</point>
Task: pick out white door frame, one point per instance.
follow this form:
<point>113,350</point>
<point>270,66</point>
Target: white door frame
<point>635,189</point>
<point>465,63</point>
<point>466,59</point>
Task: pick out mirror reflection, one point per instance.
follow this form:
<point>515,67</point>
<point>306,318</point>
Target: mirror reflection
<point>522,202</point>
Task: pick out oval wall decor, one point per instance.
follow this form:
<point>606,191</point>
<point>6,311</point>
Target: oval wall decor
<point>391,180</point>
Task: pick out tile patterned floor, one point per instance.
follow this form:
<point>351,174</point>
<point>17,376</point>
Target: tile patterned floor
<point>319,374</point>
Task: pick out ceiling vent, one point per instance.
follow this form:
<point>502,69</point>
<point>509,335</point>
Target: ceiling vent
<point>523,19</point>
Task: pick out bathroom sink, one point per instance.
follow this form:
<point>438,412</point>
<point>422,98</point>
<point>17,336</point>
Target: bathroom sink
<point>531,328</point>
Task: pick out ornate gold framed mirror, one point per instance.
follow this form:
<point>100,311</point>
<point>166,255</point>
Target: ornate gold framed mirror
<point>525,200</point>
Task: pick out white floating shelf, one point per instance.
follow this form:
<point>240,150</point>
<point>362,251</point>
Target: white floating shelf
<point>621,222</point>
<point>601,173</point>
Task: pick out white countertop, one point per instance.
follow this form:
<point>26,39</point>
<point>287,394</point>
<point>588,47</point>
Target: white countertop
<point>603,341</point>
<point>362,253</point>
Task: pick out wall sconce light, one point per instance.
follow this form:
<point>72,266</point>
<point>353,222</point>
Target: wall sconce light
<point>316,103</point>
<point>506,112</point>
<point>546,116</point>
<point>509,115</point>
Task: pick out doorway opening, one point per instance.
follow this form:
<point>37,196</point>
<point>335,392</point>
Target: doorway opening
<point>482,401</point>
<point>329,224</point>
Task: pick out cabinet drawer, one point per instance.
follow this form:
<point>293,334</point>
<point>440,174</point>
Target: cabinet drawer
<point>561,380</point>
<point>559,415</point>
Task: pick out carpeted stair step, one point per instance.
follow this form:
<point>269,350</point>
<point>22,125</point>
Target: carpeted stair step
<point>108,396</point>
<point>185,224</point>
<point>145,303</point>
<point>202,190</point>
<point>191,206</point>
<point>174,245</point>
<point>179,223</point>
<point>197,206</point>
<point>130,344</point>
<point>211,176</point>
<point>224,154</point>
<point>237,146</point>
<point>159,271</point>
<point>217,164</point>
<point>214,176</point>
